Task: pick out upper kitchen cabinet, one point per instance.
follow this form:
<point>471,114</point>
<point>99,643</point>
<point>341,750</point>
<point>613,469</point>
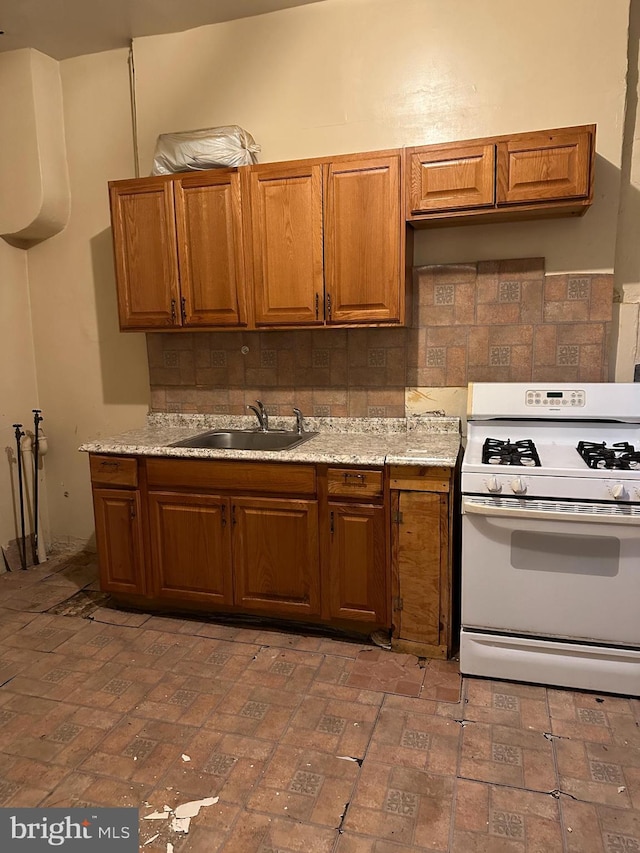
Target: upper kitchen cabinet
<point>450,177</point>
<point>501,178</point>
<point>286,244</point>
<point>327,241</point>
<point>364,238</point>
<point>179,253</point>
<point>552,166</point>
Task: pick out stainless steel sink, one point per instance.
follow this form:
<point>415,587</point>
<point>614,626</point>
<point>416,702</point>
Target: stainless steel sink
<point>239,439</point>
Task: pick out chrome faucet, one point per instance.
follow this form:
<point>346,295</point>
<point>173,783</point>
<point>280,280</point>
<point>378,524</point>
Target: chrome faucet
<point>299,423</point>
<point>261,414</point>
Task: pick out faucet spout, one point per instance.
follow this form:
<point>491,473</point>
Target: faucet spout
<point>261,415</point>
<point>264,419</point>
<point>299,421</point>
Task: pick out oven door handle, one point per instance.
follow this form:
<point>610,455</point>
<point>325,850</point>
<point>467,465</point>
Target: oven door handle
<point>468,506</point>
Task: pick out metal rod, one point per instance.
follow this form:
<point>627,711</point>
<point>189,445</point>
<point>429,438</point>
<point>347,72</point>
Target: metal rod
<point>23,547</point>
<point>37,418</point>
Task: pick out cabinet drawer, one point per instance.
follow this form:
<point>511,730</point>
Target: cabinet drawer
<point>114,471</point>
<point>354,482</point>
<point>264,477</point>
<point>419,478</point>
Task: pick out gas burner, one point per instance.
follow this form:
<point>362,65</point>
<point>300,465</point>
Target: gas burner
<point>622,455</point>
<point>498,452</point>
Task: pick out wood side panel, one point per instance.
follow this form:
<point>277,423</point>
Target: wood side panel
<point>113,470</point>
<point>445,178</point>
<point>358,588</point>
<point>275,555</point>
<point>354,483</point>
<point>545,166</point>
<point>119,540</point>
<point>146,255</point>
<point>287,245</point>
<point>191,547</point>
<point>419,552</point>
<point>269,477</point>
<point>364,231</point>
<point>211,249</point>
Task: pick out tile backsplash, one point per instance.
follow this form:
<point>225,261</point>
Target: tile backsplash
<point>500,321</point>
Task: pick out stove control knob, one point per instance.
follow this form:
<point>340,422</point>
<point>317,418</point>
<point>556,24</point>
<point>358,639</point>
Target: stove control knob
<point>518,486</point>
<point>493,485</point>
<point>619,492</point>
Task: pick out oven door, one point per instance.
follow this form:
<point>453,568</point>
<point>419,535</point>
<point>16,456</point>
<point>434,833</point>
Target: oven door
<point>551,569</point>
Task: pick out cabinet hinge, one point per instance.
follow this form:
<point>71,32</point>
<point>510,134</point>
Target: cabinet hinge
<point>398,603</point>
<point>396,517</point>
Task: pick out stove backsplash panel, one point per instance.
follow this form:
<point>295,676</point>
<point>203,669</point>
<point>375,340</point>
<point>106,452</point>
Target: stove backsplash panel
<point>508,321</point>
<point>489,321</point>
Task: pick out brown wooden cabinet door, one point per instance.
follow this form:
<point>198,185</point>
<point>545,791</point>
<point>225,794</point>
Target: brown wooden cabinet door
<point>419,549</point>
<point>357,562</point>
<point>146,259</point>
<point>544,166</point>
<point>286,244</point>
<point>275,556</point>
<point>210,249</point>
<point>364,230</point>
<point>119,540</point>
<point>191,547</point>
<point>451,177</point>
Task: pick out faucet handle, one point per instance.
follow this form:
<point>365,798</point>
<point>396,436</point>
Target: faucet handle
<point>299,421</point>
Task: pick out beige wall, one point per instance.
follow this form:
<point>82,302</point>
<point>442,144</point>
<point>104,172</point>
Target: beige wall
<point>338,76</point>
<point>18,387</point>
<point>355,75</point>
<point>93,380</point>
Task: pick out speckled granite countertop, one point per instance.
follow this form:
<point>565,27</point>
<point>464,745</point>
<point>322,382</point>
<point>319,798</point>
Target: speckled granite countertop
<point>419,440</point>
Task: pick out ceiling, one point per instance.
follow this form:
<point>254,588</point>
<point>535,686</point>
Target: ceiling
<point>65,28</point>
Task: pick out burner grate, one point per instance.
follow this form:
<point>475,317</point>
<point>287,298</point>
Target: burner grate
<point>621,456</point>
<point>498,452</point>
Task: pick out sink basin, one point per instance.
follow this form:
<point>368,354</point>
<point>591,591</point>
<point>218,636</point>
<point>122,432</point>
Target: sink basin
<point>238,439</point>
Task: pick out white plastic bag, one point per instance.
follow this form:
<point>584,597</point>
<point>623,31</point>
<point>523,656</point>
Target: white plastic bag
<point>208,148</point>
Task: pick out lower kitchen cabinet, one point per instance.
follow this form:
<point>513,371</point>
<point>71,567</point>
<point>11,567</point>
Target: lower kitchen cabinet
<point>282,540</point>
<point>190,547</point>
<point>118,512</point>
<point>357,563</point>
<point>422,517</point>
<point>275,556</point>
<point>119,540</point>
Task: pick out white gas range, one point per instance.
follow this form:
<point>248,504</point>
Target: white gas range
<point>551,535</point>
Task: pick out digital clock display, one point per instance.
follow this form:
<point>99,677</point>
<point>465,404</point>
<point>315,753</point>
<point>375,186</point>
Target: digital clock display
<point>557,394</point>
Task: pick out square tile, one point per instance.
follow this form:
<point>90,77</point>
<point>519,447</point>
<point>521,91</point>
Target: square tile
<point>305,785</point>
<point>388,672</point>
<point>493,818</point>
<point>414,739</point>
<point>402,804</point>
<point>507,756</point>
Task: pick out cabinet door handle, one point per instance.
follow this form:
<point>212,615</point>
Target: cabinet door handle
<point>331,522</point>
<point>223,515</point>
<point>173,311</point>
<point>132,511</point>
<point>183,309</point>
<point>317,305</point>
<point>328,306</point>
<point>233,514</point>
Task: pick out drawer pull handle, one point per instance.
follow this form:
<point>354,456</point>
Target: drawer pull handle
<point>106,464</point>
<point>361,479</point>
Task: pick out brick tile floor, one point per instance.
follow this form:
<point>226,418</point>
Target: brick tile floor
<point>309,744</point>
